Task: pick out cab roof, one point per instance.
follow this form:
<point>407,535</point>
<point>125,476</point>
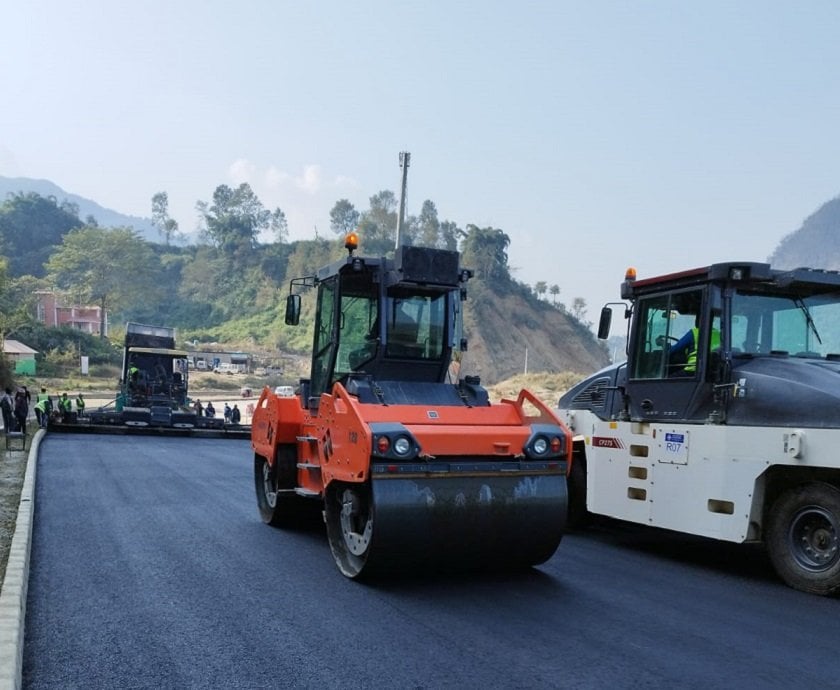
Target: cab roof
<point>735,273</point>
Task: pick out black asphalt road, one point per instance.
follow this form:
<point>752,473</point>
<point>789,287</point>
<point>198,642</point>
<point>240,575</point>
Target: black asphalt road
<point>151,569</point>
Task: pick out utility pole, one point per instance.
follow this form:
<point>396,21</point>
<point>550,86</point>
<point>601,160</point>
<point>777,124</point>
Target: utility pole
<point>405,160</point>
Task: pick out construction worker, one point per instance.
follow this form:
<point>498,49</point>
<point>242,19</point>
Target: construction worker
<point>8,405</point>
<point>42,411</point>
<point>689,344</point>
<point>65,407</point>
<point>80,405</point>
<point>43,406</point>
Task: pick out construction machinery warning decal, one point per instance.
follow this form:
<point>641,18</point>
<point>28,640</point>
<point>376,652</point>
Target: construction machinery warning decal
<point>607,442</point>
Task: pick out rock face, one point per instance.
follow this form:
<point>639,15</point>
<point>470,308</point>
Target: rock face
<point>505,330</point>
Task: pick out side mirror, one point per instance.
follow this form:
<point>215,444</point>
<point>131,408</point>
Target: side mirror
<point>293,310</point>
<point>604,323</point>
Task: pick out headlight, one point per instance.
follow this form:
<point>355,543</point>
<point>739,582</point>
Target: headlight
<point>402,446</point>
<point>546,441</point>
<point>392,441</point>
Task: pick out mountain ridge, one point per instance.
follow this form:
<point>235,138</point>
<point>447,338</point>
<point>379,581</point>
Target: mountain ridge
<point>105,217</point>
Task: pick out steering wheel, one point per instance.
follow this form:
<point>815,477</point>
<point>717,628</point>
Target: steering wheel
<point>662,339</point>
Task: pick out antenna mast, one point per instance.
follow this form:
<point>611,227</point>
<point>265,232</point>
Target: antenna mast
<point>405,160</point>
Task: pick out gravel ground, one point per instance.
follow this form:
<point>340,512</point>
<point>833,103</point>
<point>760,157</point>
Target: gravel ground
<point>12,470</point>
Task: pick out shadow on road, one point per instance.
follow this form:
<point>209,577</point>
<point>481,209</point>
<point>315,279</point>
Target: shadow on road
<point>747,560</point>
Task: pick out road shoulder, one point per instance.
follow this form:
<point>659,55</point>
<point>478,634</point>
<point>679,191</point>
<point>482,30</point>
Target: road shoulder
<point>16,579</point>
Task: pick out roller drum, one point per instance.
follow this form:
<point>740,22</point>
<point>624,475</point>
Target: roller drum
<point>446,522</point>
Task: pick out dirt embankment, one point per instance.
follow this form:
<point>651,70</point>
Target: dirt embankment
<point>509,336</point>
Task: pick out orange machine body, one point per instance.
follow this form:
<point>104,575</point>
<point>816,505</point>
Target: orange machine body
<point>336,441</point>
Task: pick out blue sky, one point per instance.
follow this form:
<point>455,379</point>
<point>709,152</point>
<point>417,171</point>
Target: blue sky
<point>596,134</point>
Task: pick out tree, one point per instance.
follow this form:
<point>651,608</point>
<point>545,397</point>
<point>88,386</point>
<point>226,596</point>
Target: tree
<point>555,291</point>
<point>31,226</point>
<point>428,226</point>
<point>579,308</point>
<point>343,217</point>
<point>235,218</point>
<point>110,268</point>
<point>166,226</point>
<point>449,235</point>
<point>5,365</point>
<point>540,288</point>
<point>279,225</point>
<point>18,301</point>
<point>485,249</point>
<point>378,224</point>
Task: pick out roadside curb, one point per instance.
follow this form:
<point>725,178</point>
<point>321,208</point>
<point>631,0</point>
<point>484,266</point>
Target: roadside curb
<point>16,580</point>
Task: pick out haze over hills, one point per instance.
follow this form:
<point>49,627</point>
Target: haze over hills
<point>105,217</point>
<point>815,244</point>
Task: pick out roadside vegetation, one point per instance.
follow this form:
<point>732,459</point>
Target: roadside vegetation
<point>228,290</point>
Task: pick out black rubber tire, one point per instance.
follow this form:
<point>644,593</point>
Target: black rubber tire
<point>578,516</point>
<point>277,507</point>
<point>803,538</point>
<point>348,513</point>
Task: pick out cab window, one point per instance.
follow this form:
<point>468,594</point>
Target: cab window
<point>660,350</point>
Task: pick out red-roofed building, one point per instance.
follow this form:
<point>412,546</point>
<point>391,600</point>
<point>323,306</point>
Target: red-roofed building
<point>53,311</point>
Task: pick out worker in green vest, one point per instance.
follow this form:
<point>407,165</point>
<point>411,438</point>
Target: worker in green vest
<point>690,343</point>
<point>694,345</point>
<point>80,405</point>
<point>42,412</point>
<point>43,406</point>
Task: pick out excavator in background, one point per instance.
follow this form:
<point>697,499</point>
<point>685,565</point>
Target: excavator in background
<point>412,466</point>
<point>724,421</point>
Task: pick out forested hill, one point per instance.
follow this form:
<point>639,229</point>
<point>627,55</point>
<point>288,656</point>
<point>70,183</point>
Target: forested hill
<point>816,244</point>
<point>86,208</point>
<point>230,289</point>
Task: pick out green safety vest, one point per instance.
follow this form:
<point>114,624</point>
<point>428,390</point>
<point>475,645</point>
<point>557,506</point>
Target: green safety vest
<point>80,404</point>
<point>714,344</point>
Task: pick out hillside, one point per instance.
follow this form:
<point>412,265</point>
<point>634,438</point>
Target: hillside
<point>105,217</point>
<point>816,243</point>
<point>504,329</point>
<point>230,290</point>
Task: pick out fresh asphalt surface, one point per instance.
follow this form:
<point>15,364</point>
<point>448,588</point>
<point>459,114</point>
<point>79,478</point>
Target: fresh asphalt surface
<point>151,569</point>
